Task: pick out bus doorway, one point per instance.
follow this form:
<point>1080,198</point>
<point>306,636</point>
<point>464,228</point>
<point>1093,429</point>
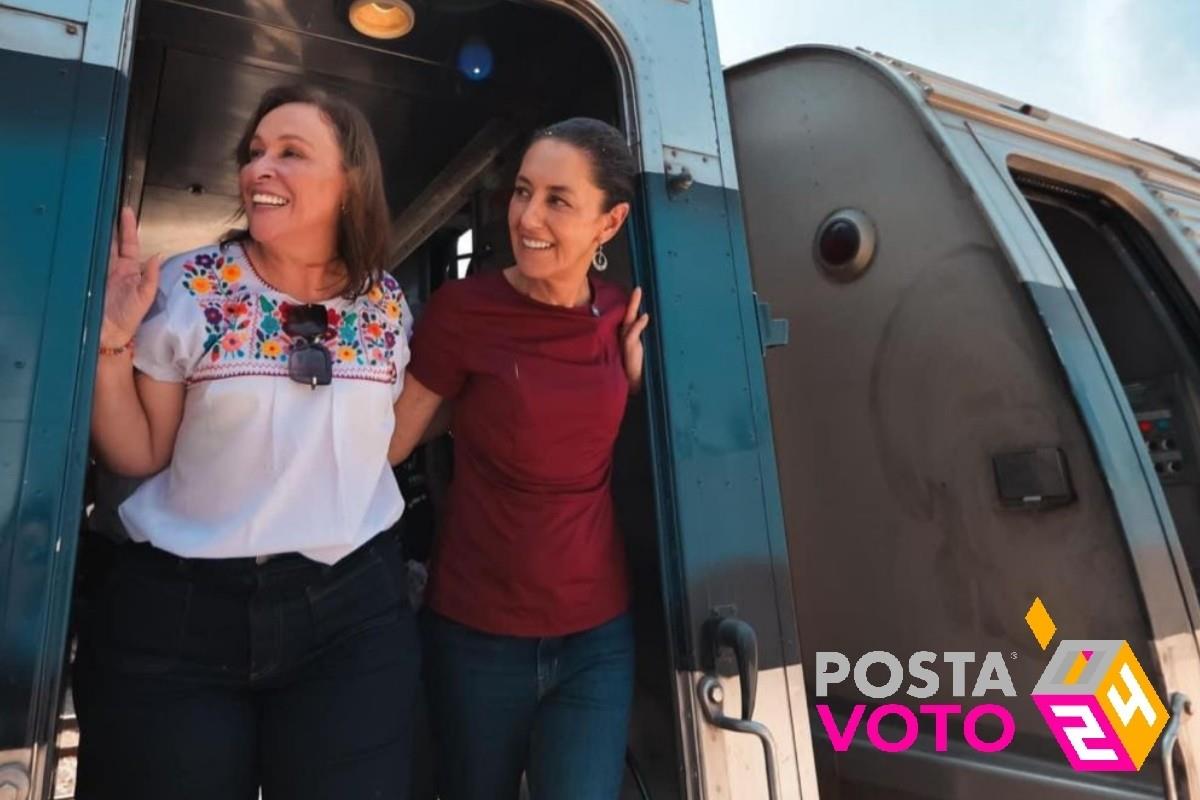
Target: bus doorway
<point>451,104</point>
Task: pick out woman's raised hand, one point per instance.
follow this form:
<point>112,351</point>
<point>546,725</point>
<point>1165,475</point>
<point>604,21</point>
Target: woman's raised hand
<point>131,284</point>
<point>631,340</point>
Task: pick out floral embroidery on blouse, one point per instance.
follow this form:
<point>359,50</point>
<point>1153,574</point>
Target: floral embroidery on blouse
<point>270,342</point>
<point>244,325</point>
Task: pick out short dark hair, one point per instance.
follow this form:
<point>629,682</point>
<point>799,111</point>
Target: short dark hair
<point>364,229</point>
<point>613,166</point>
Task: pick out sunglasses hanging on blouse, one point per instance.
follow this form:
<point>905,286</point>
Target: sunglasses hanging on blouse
<point>309,362</point>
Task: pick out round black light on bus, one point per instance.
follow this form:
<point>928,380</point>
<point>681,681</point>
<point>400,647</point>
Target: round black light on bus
<point>382,19</point>
<point>845,244</point>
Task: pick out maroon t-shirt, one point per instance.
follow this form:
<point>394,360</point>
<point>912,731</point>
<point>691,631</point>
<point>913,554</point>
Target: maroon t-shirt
<point>528,544</point>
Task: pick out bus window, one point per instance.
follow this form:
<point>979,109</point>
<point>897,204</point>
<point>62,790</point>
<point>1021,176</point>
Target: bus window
<point>1150,327</point>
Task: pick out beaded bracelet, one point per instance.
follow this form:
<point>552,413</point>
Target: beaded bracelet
<point>116,351</point>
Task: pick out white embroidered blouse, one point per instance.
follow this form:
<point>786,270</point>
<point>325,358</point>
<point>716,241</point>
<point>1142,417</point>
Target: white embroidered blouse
<point>262,464</point>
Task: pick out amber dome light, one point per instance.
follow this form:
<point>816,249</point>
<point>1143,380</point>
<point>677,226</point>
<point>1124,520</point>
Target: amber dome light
<point>386,19</point>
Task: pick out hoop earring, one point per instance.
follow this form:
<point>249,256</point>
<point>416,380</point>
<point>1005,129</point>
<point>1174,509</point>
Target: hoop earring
<point>600,260</point>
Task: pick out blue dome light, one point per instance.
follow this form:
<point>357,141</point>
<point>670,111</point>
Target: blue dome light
<point>475,60</point>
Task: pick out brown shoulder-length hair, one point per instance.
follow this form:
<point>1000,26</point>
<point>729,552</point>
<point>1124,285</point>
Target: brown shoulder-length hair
<point>364,228</point>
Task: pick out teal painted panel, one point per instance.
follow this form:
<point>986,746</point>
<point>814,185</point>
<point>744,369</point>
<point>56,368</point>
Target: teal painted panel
<point>59,168</point>
<point>40,94</point>
<point>719,504</point>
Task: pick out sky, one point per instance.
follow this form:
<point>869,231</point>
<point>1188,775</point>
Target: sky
<point>1128,66</point>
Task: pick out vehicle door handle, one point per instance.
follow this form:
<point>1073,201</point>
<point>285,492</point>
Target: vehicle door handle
<point>730,633</point>
<point>1180,705</point>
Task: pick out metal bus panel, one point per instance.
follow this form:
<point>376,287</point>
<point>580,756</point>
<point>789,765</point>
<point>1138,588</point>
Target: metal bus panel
<point>958,344</point>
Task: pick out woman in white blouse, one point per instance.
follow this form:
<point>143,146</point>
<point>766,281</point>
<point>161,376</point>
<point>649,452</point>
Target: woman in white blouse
<point>254,634</point>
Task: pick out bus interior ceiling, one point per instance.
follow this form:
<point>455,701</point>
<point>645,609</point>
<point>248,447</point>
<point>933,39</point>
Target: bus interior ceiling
<point>198,74</point>
<point>449,143</point>
<point>1150,329</point>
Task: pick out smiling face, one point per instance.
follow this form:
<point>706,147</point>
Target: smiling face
<point>556,217</point>
<point>294,183</point>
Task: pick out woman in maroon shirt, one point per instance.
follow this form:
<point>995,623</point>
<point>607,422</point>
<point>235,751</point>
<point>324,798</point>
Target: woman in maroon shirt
<point>529,642</point>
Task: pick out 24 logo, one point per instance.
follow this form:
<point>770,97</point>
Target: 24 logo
<point>1096,699</point>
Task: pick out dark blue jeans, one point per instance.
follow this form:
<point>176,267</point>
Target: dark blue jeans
<point>556,709</point>
<point>210,678</point>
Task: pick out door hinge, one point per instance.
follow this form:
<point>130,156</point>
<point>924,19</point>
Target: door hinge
<point>771,332</point>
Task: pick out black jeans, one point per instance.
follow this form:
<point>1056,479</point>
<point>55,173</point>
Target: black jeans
<point>210,679</point>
